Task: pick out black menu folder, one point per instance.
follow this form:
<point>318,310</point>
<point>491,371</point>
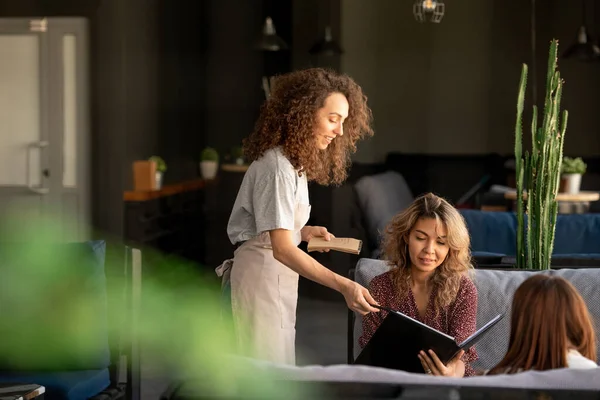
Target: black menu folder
<point>400,338</point>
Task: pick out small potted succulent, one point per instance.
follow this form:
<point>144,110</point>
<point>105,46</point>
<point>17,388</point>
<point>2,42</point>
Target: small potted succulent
<point>571,171</point>
<point>209,163</point>
<point>161,168</point>
<point>237,155</point>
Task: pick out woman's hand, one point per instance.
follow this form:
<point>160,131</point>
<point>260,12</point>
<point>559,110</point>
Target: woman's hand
<point>433,366</point>
<point>308,232</point>
<point>358,298</point>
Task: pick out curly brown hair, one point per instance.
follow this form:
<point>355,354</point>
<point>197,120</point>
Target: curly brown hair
<point>457,264</point>
<point>288,118</point>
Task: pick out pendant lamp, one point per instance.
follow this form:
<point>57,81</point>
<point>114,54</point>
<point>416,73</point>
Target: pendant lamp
<point>429,10</point>
<point>269,40</point>
<point>584,48</point>
<point>326,46</point>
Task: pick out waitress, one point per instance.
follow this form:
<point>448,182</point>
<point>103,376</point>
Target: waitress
<point>305,132</point>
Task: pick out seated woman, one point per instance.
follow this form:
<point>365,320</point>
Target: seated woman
<point>427,246</point>
<point>549,328</point>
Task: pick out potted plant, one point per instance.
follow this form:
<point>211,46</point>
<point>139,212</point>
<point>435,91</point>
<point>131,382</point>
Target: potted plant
<point>538,172</point>
<point>237,155</point>
<point>209,163</point>
<point>161,168</point>
<point>571,171</point>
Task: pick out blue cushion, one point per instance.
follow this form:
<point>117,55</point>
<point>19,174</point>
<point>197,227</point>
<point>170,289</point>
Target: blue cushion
<point>57,297</point>
<point>71,385</point>
<point>577,233</point>
<point>491,232</point>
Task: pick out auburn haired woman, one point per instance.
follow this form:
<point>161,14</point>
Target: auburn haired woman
<point>550,328</point>
<point>427,246</point>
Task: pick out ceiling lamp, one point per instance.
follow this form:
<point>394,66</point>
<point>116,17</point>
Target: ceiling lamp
<point>269,41</point>
<point>429,10</point>
<point>326,46</point>
<point>584,48</point>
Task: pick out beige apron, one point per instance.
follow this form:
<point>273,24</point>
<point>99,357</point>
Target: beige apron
<point>264,295</point>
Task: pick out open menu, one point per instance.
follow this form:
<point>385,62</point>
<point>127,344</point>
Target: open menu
<point>398,340</point>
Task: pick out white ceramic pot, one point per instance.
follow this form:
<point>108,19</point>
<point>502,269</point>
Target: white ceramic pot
<point>209,169</point>
<point>159,178</point>
<point>572,183</point>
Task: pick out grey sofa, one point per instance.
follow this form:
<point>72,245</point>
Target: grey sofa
<point>495,290</point>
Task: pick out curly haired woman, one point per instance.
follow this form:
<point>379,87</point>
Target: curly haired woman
<point>305,132</point>
<point>427,246</point>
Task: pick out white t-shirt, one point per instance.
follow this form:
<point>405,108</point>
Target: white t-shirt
<point>574,360</point>
<point>577,361</point>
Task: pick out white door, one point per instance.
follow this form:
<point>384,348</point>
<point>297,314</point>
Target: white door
<point>44,133</point>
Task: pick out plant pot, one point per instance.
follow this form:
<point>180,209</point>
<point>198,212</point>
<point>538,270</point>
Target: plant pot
<point>570,183</point>
<point>209,169</point>
<point>158,179</point>
<point>144,175</point>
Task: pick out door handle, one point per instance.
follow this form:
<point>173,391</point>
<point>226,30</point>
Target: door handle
<point>35,145</point>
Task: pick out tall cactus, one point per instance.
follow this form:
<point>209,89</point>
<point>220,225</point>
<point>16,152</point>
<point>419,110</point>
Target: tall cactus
<point>538,173</point>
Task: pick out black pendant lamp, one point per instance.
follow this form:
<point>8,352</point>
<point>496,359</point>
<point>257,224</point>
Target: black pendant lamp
<point>326,46</point>
<point>584,48</point>
<point>269,41</point>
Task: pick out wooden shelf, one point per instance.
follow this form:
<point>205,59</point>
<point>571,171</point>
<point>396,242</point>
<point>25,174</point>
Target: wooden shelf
<point>167,190</point>
<point>234,167</point>
<point>582,196</point>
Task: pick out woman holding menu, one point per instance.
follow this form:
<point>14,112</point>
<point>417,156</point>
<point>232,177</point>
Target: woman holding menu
<point>305,132</point>
<point>427,246</point>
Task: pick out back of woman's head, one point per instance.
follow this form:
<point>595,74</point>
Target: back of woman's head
<point>288,119</point>
<point>549,317</point>
<point>458,261</point>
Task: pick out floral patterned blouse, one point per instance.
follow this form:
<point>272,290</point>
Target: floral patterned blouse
<point>457,320</point>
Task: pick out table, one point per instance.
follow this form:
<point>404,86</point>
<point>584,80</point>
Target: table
<point>567,203</point>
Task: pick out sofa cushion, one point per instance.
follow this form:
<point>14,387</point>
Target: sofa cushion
<point>495,292</point>
<point>57,297</point>
<point>69,385</point>
<point>577,233</point>
<point>492,232</point>
<point>380,197</point>
<point>560,379</point>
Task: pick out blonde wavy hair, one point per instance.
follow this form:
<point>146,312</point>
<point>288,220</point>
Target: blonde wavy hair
<point>457,264</point>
